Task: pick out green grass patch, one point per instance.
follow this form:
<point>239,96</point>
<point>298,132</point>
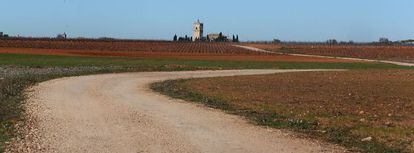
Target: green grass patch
<point>167,64</point>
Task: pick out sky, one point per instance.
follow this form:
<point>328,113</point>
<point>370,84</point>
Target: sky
<point>252,20</point>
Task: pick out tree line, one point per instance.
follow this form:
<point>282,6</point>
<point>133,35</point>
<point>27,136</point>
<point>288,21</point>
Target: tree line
<point>219,38</point>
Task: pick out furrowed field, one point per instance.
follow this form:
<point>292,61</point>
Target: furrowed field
<point>25,62</point>
<point>380,52</point>
<point>366,111</point>
<point>127,45</point>
<point>145,49</point>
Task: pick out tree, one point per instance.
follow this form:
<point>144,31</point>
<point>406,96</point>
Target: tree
<point>332,41</point>
<point>208,38</point>
<point>234,39</point>
<point>237,38</point>
<point>384,41</point>
<point>220,37</point>
<point>175,37</point>
<point>408,41</point>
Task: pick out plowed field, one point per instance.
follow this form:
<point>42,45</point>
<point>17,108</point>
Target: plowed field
<point>191,56</point>
<point>152,49</point>
<point>371,110</point>
<point>127,45</point>
<point>381,52</point>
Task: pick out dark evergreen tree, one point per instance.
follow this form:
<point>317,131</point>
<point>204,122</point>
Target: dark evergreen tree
<point>332,42</point>
<point>237,38</point>
<point>220,37</point>
<point>276,41</point>
<point>175,37</point>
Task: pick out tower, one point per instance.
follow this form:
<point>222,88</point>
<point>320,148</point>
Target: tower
<point>198,29</point>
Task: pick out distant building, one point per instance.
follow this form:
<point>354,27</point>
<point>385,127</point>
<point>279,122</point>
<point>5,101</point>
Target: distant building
<point>62,36</point>
<point>213,36</point>
<point>217,37</point>
<point>2,35</point>
<point>198,29</point>
<point>198,35</point>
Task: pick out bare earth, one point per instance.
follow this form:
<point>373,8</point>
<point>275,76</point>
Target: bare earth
<point>329,57</point>
<point>119,113</point>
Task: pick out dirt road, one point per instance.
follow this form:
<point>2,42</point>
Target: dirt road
<point>119,113</point>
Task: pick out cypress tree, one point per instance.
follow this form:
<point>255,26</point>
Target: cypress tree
<point>220,38</point>
<point>175,37</point>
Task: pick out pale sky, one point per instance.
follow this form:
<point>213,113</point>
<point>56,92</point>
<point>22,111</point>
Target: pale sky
<point>299,20</point>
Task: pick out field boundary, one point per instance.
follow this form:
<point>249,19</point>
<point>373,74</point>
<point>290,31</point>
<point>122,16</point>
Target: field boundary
<point>256,49</point>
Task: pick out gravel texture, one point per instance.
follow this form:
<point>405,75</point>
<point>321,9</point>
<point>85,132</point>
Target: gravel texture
<point>119,113</point>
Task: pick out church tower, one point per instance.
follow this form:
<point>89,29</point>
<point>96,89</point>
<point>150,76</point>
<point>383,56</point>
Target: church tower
<point>198,29</point>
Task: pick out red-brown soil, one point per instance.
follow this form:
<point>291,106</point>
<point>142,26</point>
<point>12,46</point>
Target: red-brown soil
<point>191,56</point>
<point>125,45</point>
<point>153,49</point>
<point>383,52</point>
<point>358,104</point>
<point>399,53</point>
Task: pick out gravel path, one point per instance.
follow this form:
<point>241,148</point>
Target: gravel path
<point>119,113</point>
<point>254,49</point>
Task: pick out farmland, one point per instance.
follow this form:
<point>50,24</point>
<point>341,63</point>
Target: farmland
<point>182,56</point>
<point>380,52</point>
<point>146,49</point>
<point>25,62</point>
<point>126,45</point>
<point>18,71</point>
<point>370,111</point>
